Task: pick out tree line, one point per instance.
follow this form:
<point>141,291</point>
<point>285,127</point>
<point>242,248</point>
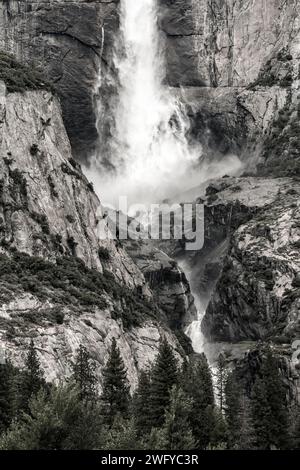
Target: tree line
<point>174,407</point>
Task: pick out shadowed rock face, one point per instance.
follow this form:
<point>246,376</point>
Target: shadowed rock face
<point>68,41</point>
<point>166,280</point>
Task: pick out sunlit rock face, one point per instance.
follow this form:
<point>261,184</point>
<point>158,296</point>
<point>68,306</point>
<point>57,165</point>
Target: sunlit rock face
<point>68,41</point>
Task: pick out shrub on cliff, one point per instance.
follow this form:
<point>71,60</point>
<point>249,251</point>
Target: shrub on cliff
<point>70,282</point>
<point>19,77</point>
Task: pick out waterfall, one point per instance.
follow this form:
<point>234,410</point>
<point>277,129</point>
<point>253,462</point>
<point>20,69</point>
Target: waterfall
<point>150,158</point>
<point>147,155</point>
<point>194,332</point>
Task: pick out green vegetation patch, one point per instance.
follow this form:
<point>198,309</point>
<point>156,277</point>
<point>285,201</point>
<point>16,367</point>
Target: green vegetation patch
<point>278,71</point>
<point>281,148</point>
<point>69,282</point>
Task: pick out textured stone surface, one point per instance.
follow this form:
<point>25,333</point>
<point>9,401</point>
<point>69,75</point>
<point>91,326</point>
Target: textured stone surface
<point>44,192</point>
<point>227,43</point>
<point>49,210</point>
<point>234,120</point>
<point>69,41</point>
<point>57,344</point>
<point>239,65</point>
<point>228,203</point>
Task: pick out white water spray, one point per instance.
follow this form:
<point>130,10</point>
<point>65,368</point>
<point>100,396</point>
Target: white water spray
<point>149,149</point>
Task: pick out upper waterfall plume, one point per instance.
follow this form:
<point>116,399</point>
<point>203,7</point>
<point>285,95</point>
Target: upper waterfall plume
<point>149,150</point>
<point>150,158</point>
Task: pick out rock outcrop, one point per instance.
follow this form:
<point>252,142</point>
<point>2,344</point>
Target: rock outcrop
<point>60,284</point>
<point>167,282</point>
<point>247,273</point>
<point>256,296</point>
<point>228,43</point>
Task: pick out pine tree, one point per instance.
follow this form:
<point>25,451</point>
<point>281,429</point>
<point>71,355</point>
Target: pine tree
<point>221,378</point>
<point>85,431</point>
<point>142,404</point>
<point>233,397</point>
<point>197,383</point>
<point>269,406</point>
<point>115,394</point>
<point>123,435</point>
<point>294,426</point>
<point>246,438</point>
<point>163,376</point>
<point>176,433</point>
<point>6,412</point>
<point>238,415</point>
<point>28,382</point>
<point>219,435</point>
<point>55,421</point>
<point>84,375</point>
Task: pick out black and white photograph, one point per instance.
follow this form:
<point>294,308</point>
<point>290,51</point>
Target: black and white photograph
<point>149,230</point>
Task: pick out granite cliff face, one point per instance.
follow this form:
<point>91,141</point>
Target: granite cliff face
<point>218,43</point>
<point>239,64</point>
<point>59,284</point>
<point>256,295</point>
<point>69,41</point>
<point>247,273</point>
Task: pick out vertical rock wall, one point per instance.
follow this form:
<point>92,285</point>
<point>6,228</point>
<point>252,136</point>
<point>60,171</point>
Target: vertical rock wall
<point>68,41</point>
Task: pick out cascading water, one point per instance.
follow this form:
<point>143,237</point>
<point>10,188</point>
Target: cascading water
<point>151,126</point>
<point>150,158</point>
